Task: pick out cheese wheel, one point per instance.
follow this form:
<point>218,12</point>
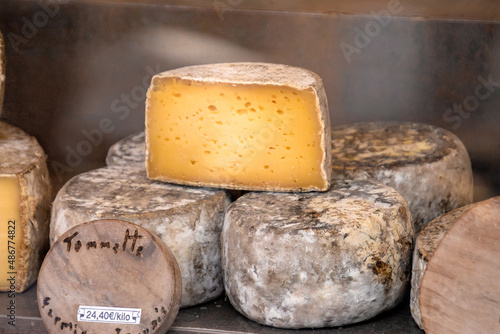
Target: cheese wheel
<point>427,241</point>
<point>460,289</point>
<point>244,126</point>
<point>129,150</point>
<point>428,165</point>
<point>307,260</point>
<point>108,277</point>
<point>2,71</point>
<point>189,220</point>
<point>25,197</point>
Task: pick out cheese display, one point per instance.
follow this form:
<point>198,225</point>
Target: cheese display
<point>2,71</point>
<point>188,219</point>
<point>460,288</point>
<point>248,126</point>
<point>109,276</point>
<point>428,165</point>
<point>305,260</point>
<point>129,150</point>
<point>25,196</point>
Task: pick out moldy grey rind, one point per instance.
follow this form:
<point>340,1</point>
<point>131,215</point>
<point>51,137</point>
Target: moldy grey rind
<point>187,219</point>
<point>308,260</point>
<point>428,165</point>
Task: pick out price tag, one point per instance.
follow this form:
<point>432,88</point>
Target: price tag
<point>117,315</point>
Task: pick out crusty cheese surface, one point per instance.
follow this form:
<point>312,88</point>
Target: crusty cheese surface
<point>249,126</point>
<point>427,241</point>
<point>25,195</point>
<point>188,219</point>
<point>129,150</point>
<point>428,165</point>
<point>307,260</point>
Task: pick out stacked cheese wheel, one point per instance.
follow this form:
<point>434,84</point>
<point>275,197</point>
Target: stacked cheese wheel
<point>304,251</point>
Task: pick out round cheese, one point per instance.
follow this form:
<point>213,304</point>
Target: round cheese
<point>317,259</point>
<point>427,241</point>
<point>109,276</point>
<point>187,219</point>
<point>428,165</point>
<point>460,289</point>
<point>129,150</point>
<point>25,199</point>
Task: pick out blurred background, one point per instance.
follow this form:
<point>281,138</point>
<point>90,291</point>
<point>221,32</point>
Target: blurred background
<point>78,71</point>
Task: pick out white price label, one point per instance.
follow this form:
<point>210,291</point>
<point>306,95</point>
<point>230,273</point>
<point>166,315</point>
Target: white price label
<point>116,315</point>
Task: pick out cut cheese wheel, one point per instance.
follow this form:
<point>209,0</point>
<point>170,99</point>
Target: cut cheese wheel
<point>248,126</point>
<point>2,71</point>
<point>460,290</point>
<point>25,196</point>
<point>308,260</point>
<point>129,150</point>
<point>428,165</point>
<point>427,241</point>
<point>109,276</point>
<point>188,219</point>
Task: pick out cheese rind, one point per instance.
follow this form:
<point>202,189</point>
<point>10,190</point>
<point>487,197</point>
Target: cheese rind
<point>427,242</point>
<point>428,165</point>
<point>25,184</point>
<point>248,126</point>
<point>129,150</point>
<point>188,219</point>
<point>307,260</point>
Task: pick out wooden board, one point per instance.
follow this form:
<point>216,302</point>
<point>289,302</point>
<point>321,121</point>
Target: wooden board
<point>460,291</point>
<point>109,277</point>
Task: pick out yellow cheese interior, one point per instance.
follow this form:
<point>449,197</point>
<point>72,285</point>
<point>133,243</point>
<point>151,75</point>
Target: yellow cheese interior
<point>244,135</point>
<point>10,234</point>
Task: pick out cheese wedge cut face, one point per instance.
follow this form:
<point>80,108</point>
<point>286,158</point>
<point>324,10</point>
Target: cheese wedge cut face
<point>238,135</point>
<point>25,197</point>
<point>11,232</point>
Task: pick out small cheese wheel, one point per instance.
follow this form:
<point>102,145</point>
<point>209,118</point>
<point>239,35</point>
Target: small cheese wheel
<point>188,219</point>
<point>427,241</point>
<point>308,260</point>
<point>129,150</point>
<point>243,126</point>
<point>2,71</point>
<point>428,165</point>
<point>109,276</point>
<point>460,289</point>
<point>25,197</point>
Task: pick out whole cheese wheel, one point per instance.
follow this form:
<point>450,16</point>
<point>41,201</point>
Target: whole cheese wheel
<point>108,277</point>
<point>243,126</point>
<point>188,219</point>
<point>460,289</point>
<point>25,197</point>
<point>428,165</point>
<point>306,260</point>
<point>129,150</point>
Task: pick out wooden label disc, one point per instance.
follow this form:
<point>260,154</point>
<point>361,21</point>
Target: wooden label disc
<point>460,291</point>
<point>109,277</point>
